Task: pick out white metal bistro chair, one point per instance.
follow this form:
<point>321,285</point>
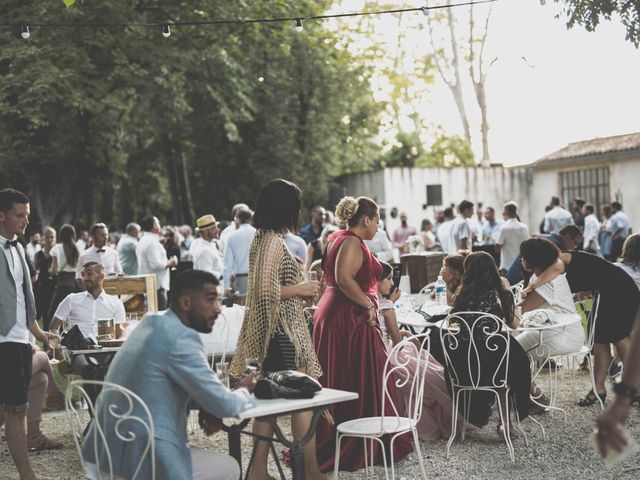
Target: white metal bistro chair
<point>118,413</point>
<point>406,367</point>
<point>467,338</point>
<point>585,351</point>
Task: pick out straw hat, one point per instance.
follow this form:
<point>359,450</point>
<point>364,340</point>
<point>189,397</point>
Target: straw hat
<point>206,221</point>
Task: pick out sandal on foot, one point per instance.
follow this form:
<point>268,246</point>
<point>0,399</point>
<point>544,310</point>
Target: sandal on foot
<point>38,442</point>
<point>591,398</point>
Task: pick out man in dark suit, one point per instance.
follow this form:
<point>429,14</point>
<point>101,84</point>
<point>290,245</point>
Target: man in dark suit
<point>17,320</point>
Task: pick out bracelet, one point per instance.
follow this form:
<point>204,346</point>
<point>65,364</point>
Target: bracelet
<point>369,306</point>
<point>625,390</point>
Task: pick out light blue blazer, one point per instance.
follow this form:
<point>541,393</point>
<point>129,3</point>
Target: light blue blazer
<point>163,361</point>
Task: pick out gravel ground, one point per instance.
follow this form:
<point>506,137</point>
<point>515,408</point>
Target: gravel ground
<point>566,454</point>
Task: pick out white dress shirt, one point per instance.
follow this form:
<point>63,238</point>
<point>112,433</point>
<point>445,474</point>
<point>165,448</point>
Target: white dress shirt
<point>105,256</point>
<point>152,259</point>
<point>556,218</point>
<point>444,235</point>
<point>236,258</point>
<point>296,245</point>
<point>512,234</point>
<point>591,231</point>
<point>620,220</point>
<point>32,249</point>
<point>224,236</point>
<point>206,257</point>
<point>460,230</point>
<point>381,246</point>
<point>83,310</point>
<point>19,333</point>
<point>58,253</point>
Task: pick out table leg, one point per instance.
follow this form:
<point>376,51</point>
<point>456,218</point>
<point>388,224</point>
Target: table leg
<point>297,445</point>
<point>233,436</point>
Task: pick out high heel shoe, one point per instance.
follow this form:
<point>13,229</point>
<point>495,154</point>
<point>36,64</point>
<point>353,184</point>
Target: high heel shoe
<point>591,398</point>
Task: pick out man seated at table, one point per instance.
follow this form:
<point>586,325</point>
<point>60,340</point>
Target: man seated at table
<point>84,309</point>
<point>167,347</point>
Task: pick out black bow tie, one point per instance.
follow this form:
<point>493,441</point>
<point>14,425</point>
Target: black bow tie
<point>102,250</point>
<point>10,243</point>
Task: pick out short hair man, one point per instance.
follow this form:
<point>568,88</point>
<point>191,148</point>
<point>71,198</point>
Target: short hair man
<point>512,233</point>
<point>33,246</point>
<point>492,225</point>
<point>168,348</point>
<point>461,235</point>
<point>557,217</point>
<point>236,258</point>
<point>152,257</point>
<point>590,241</point>
<point>401,234</point>
<point>127,249</point>
<point>444,230</point>
<point>84,309</point>
<point>17,320</point>
<point>205,253</point>
<point>99,252</point>
<point>313,229</point>
<point>224,235</point>
<point>621,226</point>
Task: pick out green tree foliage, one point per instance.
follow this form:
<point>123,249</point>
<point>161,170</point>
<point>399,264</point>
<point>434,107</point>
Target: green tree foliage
<point>588,14</point>
<point>112,123</point>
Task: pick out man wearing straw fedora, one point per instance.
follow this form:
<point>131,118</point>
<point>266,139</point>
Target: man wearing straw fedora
<point>205,254</point>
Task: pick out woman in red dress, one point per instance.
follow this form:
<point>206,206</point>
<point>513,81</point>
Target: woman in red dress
<point>347,337</point>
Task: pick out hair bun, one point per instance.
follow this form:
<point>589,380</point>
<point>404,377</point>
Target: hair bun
<point>346,209</point>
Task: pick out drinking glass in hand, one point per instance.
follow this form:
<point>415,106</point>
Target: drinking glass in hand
<point>222,371</point>
<point>53,344</point>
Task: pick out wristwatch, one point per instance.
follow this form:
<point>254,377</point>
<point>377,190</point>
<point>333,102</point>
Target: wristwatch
<point>625,390</point>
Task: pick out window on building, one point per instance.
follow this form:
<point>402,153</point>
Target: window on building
<point>591,184</point>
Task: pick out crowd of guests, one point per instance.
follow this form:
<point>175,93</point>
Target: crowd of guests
<point>261,257</point>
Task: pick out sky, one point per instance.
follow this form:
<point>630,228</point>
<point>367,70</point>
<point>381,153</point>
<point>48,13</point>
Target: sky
<point>574,85</point>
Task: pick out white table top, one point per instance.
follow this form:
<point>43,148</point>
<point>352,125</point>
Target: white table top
<point>563,321</point>
<point>92,351</point>
<point>279,406</point>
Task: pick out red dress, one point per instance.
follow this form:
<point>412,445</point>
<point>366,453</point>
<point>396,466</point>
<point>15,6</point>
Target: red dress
<point>352,355</point>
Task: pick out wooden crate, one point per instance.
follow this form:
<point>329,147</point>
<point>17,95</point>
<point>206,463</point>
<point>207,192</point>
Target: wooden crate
<point>132,286</point>
<point>422,268</point>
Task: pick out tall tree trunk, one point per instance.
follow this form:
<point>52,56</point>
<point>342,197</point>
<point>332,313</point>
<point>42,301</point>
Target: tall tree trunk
<point>172,174</point>
<point>188,214</point>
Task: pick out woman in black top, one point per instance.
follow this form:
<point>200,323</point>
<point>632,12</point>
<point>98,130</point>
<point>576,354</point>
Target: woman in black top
<point>619,303</point>
<point>482,290</point>
<point>45,284</point>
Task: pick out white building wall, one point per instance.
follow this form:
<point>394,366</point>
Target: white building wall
<point>624,182</point>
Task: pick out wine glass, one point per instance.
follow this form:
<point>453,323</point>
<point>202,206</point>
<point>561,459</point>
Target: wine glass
<point>53,344</point>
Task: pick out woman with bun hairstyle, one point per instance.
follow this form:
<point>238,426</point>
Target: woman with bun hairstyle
<point>347,336</point>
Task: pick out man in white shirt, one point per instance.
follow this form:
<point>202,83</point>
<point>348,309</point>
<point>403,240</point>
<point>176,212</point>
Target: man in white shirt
<point>100,253</point>
<point>296,245</point>
<point>380,245</point>
<point>84,309</point>
<point>127,249</point>
<point>205,253</point>
<point>620,226</point>
<point>224,236</point>
<point>461,235</point>
<point>33,246</point>
<point>591,230</point>
<point>491,228</point>
<point>236,258</point>
<point>152,257</point>
<point>444,230</point>
<point>512,234</point>
<point>83,240</point>
<point>557,217</point>
<point>17,320</point>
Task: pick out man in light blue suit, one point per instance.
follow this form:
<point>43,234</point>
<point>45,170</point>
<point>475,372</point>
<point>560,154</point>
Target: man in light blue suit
<point>163,362</point>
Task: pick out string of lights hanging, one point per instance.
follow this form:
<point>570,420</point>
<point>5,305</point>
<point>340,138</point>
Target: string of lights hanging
<point>165,27</point>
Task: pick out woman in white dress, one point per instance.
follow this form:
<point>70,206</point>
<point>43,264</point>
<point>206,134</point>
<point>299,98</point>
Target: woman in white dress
<point>549,304</point>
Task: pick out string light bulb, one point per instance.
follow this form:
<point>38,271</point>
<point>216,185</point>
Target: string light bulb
<point>425,11</point>
<point>24,32</point>
<point>166,30</point>
<point>299,26</point>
